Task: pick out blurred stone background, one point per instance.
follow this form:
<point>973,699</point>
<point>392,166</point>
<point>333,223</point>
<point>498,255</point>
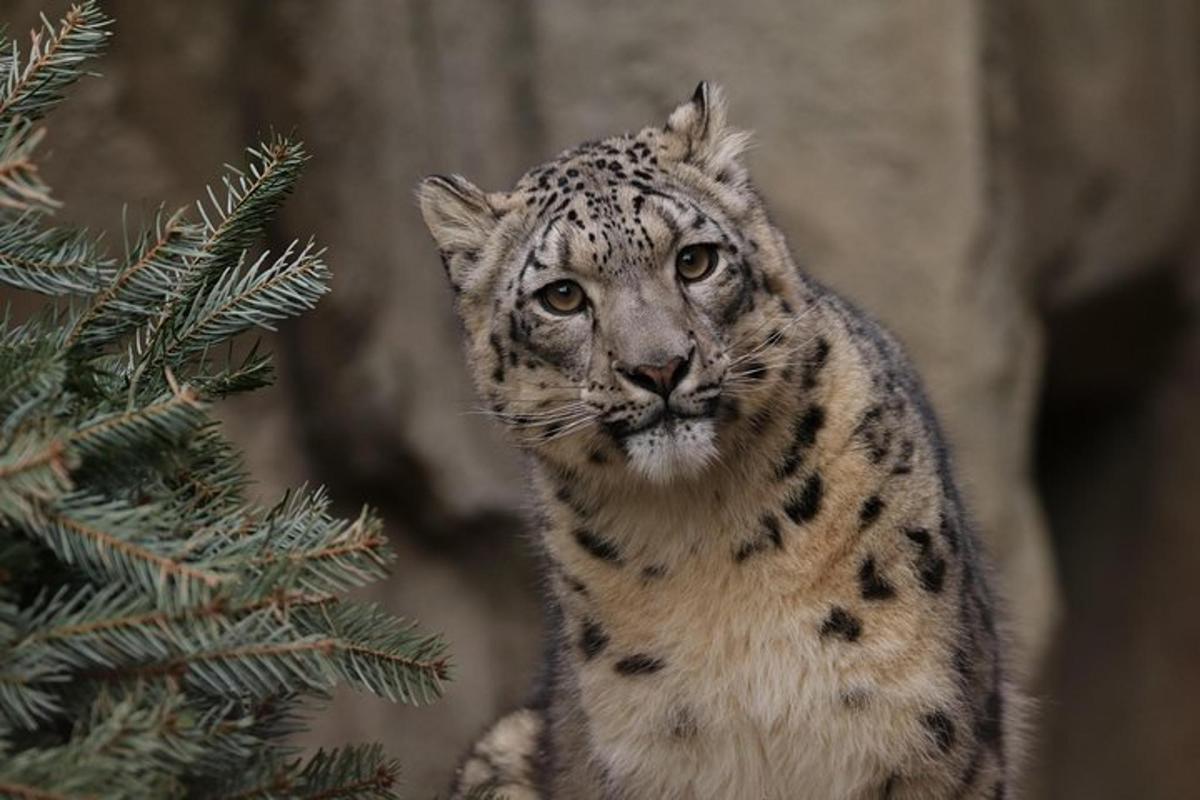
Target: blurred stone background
<point>1010,184</point>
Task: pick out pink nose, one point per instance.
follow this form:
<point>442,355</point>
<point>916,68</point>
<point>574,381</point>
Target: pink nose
<point>660,379</point>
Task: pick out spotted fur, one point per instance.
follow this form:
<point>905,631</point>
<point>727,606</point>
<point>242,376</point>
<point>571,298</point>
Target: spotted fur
<point>761,580</point>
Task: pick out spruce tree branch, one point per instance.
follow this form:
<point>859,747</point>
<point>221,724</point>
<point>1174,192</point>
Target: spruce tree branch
<point>21,792</point>
<point>163,563</point>
<point>249,203</point>
<point>181,666</point>
<point>434,668</point>
<point>32,470</point>
<point>178,414</point>
<point>275,785</point>
<point>52,455</point>
<point>159,619</point>
<point>257,295</point>
<point>361,772</point>
<point>21,185</point>
<point>147,278</point>
<point>55,58</point>
<point>382,779</point>
<point>50,261</point>
<point>370,544</point>
<point>72,533</point>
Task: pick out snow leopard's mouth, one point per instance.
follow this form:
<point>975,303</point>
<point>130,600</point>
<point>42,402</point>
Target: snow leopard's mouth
<point>665,418</point>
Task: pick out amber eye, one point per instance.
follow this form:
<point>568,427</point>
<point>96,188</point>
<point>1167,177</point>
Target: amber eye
<point>563,297</point>
<point>696,261</point>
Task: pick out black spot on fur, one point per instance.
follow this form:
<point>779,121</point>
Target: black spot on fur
<point>593,639</point>
<point>769,535</point>
<point>815,363</point>
<point>971,773</point>
<point>638,664</point>
<point>654,572</point>
<point>810,425</point>
<point>903,464</point>
<point>988,727</point>
<point>931,568</point>
<point>803,505</point>
<point>872,507</point>
<point>873,585</point>
<point>998,791</point>
<point>949,533</point>
<point>683,723</point>
<point>803,437</point>
<point>498,350</point>
<point>933,575</point>
<point>771,530</point>
<point>941,728</point>
<point>889,787</point>
<point>854,699</point>
<point>567,498</point>
<point>842,624</point>
<point>874,434</point>
<point>963,666</point>
<point>598,546</point>
<point>920,537</point>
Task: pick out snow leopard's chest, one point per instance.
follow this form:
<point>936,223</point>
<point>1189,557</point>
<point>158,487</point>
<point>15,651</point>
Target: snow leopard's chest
<point>724,686</point>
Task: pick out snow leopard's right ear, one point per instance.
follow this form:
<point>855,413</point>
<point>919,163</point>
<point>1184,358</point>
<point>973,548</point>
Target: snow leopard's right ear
<point>698,134</point>
<point>461,217</point>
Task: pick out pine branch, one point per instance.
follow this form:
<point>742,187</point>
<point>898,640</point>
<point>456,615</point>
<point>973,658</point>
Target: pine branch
<point>50,261</point>
<point>254,371</point>
<point>33,369</point>
<point>113,540</point>
<point>243,735</point>
<point>54,62</point>
<point>152,276</point>
<point>255,656</point>
<point>21,186</point>
<point>359,772</point>
<point>28,691</point>
<point>298,545</point>
<point>33,469</point>
<point>230,227</point>
<point>166,421</point>
<point>246,297</point>
<point>102,629</point>
<point>208,479</point>
<point>379,652</point>
<point>130,748</point>
<point>234,223</point>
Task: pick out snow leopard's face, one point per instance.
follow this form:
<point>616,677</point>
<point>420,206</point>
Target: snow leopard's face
<point>616,304</point>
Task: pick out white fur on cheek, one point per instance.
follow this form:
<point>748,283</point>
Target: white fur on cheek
<point>678,449</point>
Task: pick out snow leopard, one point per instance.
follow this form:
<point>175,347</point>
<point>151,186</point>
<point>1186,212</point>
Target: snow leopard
<point>761,581</point>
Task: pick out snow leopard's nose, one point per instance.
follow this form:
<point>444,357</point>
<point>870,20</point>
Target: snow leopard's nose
<point>661,379</point>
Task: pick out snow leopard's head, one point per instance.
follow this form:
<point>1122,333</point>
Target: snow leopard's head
<point>627,305</point>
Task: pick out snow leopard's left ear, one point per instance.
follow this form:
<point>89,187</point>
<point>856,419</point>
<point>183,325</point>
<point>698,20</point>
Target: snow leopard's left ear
<point>461,217</point>
<point>697,134</point>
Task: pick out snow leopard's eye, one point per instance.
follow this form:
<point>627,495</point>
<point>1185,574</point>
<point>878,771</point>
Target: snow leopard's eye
<point>562,297</point>
<point>696,261</point>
